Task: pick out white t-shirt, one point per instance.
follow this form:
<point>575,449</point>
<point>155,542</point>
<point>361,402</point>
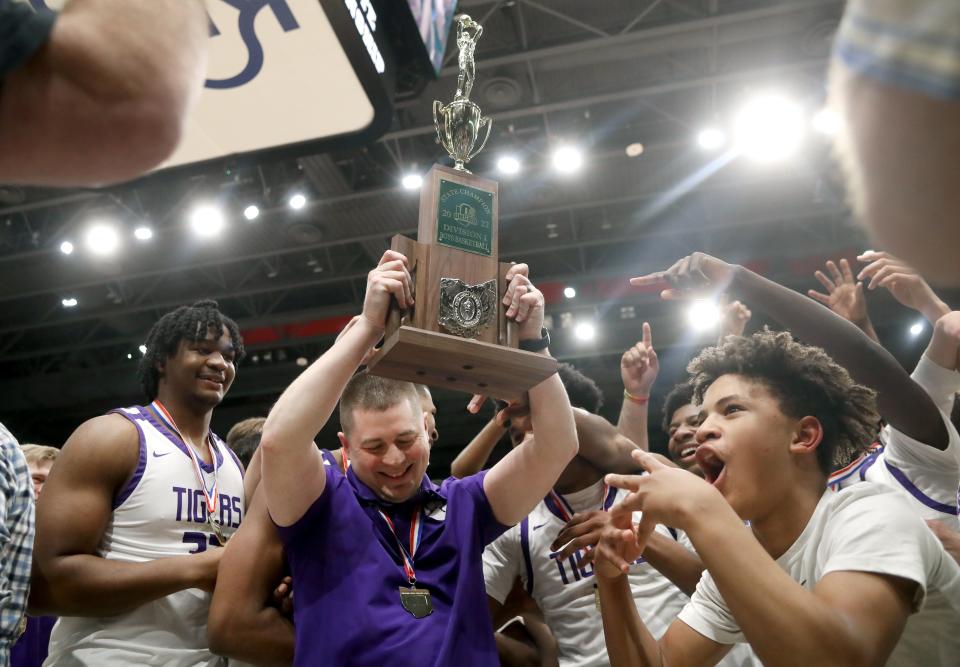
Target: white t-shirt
<point>866,528</point>
<point>928,477</point>
<point>566,592</point>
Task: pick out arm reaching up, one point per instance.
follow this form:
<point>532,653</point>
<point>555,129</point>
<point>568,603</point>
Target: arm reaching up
<point>292,467</point>
<point>902,401</point>
<point>904,283</point>
<point>524,476</point>
<point>638,370</point>
<point>844,296</point>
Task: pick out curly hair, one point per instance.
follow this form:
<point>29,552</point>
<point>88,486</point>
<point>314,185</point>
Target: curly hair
<point>190,323</point>
<point>678,397</point>
<point>805,381</point>
<point>583,392</point>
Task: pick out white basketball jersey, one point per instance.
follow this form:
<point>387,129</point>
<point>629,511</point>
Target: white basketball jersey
<point>161,512</point>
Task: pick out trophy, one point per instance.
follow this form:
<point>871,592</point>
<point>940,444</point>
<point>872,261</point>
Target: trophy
<point>457,335</point>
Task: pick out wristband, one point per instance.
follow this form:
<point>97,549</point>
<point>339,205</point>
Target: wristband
<point>537,344</point>
<point>639,400</point>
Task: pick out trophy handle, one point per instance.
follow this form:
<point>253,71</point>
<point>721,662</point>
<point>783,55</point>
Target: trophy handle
<point>486,136</point>
<point>440,126</point>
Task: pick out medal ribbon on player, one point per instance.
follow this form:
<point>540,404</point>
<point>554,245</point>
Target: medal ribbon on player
<point>559,506</point>
<point>415,600</point>
<point>210,496</point>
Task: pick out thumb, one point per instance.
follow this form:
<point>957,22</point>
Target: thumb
<point>628,482</point>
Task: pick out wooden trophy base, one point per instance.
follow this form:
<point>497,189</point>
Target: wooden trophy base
<point>462,364</point>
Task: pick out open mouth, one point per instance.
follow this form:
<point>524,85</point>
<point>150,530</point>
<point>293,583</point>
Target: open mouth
<point>710,464</point>
<point>397,477</point>
<point>688,452</point>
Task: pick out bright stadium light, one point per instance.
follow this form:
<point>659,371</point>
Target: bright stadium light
<point>917,328</point>
<point>66,248</point>
<point>69,302</point>
<point>102,239</point>
<point>634,150</point>
<point>297,201</point>
<point>585,331</point>
<point>569,292</point>
<point>207,221</point>
<point>826,122</point>
<point>769,128</point>
<point>143,233</point>
<point>703,315</point>
<point>143,349</point>
<point>412,181</point>
<point>711,138</point>
<point>508,164</point>
<point>252,212</point>
<point>567,159</point>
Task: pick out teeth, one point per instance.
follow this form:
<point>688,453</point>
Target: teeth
<point>687,452</point>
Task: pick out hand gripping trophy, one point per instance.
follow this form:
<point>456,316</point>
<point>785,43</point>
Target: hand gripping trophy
<point>460,122</point>
<point>457,335</point>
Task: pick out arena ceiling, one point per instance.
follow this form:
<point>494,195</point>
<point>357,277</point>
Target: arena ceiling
<point>600,75</point>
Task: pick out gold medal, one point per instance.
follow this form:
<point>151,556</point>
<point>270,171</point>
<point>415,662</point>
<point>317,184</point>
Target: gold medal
<point>596,596</point>
<point>417,601</point>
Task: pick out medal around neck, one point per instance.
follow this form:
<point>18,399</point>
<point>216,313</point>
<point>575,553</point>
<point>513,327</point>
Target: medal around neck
<point>417,601</point>
<point>457,334</point>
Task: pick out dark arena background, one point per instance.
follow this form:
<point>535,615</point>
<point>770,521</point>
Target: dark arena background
<point>613,128</point>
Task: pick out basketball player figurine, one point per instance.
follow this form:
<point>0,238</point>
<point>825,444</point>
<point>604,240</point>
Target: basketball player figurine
<point>468,34</point>
<point>132,518</point>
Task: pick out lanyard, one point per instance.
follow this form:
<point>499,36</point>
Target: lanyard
<point>212,496</point>
<point>562,508</point>
<point>416,533</point>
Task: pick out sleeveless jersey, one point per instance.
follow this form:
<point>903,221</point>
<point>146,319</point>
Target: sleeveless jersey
<point>161,512</point>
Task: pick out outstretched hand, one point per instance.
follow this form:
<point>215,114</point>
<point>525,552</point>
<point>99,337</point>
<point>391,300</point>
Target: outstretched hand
<point>903,282</point>
<point>694,275</point>
<point>639,365</point>
<point>734,317</point>
<point>844,294</point>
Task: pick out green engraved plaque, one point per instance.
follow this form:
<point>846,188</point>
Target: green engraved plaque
<point>465,218</point>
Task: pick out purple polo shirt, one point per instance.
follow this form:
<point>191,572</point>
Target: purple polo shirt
<point>348,571</point>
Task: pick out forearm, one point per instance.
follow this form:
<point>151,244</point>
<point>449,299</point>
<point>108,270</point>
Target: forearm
<point>629,642</point>
<point>934,308</point>
<point>902,402</point>
<point>514,653</point>
<point>307,404</point>
<point>86,585</point>
<point>866,326</point>
<point>777,615</point>
<point>633,423</point>
<point>673,561</point>
<point>522,478</point>
<point>474,456</point>
<point>602,445</point>
<point>263,637</point>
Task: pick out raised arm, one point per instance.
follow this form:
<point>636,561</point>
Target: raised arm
<point>474,456</point>
<point>106,99</point>
<point>291,464</point>
<point>69,577</point>
<point>844,296</point>
<point>638,370</point>
<point>903,282</point>
<point>243,623</point>
<point>524,476</point>
<point>902,402</point>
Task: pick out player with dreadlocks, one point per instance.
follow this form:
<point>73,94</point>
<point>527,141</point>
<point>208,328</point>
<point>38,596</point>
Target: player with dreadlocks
<point>131,523</point>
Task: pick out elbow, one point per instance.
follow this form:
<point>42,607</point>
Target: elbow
<point>220,630</point>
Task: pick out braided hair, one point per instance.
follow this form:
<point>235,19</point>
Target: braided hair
<point>190,323</point>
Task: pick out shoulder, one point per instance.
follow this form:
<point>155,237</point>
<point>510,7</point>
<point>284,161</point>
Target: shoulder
<point>107,445</point>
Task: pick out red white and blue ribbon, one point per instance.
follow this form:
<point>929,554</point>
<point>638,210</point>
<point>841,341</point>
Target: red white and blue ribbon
<point>416,533</point>
<point>211,496</point>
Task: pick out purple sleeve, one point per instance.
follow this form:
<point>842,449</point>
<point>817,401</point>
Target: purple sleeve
<point>318,511</point>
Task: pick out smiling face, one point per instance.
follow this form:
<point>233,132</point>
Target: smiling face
<point>202,370</point>
<point>683,442</point>
<point>389,450</point>
<point>749,449</point>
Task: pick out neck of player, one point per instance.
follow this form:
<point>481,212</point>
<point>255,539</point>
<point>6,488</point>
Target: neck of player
<point>780,527</point>
<point>192,420</point>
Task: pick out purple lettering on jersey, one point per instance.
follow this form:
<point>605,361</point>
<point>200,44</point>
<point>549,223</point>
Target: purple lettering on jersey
<point>199,506</point>
<point>179,490</point>
<point>237,512</point>
<point>226,510</point>
<point>563,573</point>
<point>573,567</point>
